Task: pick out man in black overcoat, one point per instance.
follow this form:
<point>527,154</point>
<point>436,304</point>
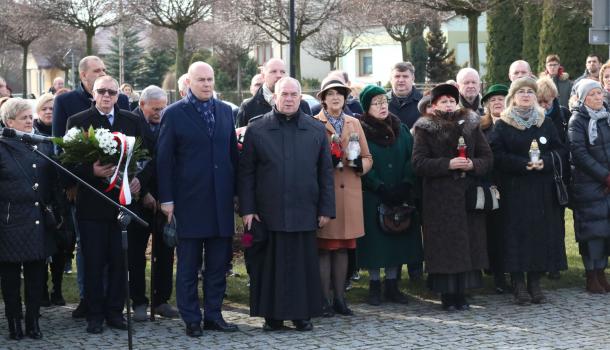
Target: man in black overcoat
<point>97,219</point>
<point>286,192</point>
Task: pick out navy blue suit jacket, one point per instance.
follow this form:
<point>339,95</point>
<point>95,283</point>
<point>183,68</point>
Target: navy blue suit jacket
<point>198,172</point>
<point>75,101</point>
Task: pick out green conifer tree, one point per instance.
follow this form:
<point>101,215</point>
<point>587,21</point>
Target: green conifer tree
<point>152,67</point>
<point>532,22</point>
<point>419,54</point>
<point>132,52</point>
<point>441,61</point>
<point>504,45</point>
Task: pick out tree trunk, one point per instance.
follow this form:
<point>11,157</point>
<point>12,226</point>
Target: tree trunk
<point>332,64</point>
<point>24,69</point>
<point>405,50</point>
<point>473,39</point>
<point>89,34</point>
<point>239,94</point>
<point>179,58</point>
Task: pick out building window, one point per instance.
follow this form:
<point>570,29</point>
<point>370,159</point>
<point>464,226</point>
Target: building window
<point>365,62</point>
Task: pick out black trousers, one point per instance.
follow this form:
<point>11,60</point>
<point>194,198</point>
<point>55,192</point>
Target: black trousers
<point>58,262</point>
<point>101,248</point>
<point>164,263</point>
<point>10,283</point>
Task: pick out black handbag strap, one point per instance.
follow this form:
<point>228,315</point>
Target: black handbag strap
<point>25,174</point>
<point>558,171</point>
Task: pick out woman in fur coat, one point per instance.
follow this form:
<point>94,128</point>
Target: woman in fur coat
<point>455,246</point>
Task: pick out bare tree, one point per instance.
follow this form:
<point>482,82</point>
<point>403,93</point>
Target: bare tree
<point>22,23</point>
<point>471,9</point>
<point>177,15</point>
<point>86,15</point>
<point>332,42</point>
<point>272,17</point>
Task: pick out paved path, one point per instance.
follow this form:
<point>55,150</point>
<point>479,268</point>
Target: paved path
<point>572,319</point>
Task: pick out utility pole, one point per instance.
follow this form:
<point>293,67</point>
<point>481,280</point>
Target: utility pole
<point>293,51</point>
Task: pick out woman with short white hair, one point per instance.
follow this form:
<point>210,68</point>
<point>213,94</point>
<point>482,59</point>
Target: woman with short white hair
<point>25,240</point>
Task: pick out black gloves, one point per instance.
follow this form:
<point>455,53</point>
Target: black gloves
<point>336,160</point>
<point>358,162</point>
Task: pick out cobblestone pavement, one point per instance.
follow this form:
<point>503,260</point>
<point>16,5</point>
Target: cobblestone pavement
<point>572,319</point>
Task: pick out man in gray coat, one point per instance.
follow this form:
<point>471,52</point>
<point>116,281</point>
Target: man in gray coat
<point>286,192</point>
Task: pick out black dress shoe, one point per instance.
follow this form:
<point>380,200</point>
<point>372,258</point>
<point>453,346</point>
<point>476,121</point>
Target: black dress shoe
<point>327,309</point>
<point>95,327</point>
<point>81,310</point>
<point>461,303</point>
<point>219,325</point>
<point>14,329</point>
<point>32,329</point>
<point>194,330</point>
<point>271,325</point>
<point>117,323</point>
<point>303,325</point>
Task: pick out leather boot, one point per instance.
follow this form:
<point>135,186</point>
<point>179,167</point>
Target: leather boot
<point>448,302</point>
<point>393,294</point>
<point>341,307</point>
<point>593,285</point>
<point>32,329</point>
<point>533,287</point>
<point>327,309</point>
<point>601,278</point>
<point>520,292</point>
<point>374,293</point>
<point>15,331</point>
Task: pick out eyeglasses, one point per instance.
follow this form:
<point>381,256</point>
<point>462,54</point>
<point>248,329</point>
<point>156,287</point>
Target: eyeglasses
<point>380,103</point>
<point>109,91</point>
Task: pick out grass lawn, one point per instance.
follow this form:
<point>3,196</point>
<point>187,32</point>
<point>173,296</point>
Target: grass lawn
<point>238,291</point>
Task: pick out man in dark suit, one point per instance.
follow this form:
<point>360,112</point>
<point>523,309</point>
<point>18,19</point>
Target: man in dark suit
<point>262,102</point>
<point>285,185</point>
<point>100,234</point>
<point>196,164</point>
<point>66,105</point>
<point>153,101</point>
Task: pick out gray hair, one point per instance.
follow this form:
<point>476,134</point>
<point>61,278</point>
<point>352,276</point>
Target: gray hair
<point>465,71</point>
<point>152,92</point>
<point>12,107</point>
<point>105,78</point>
<point>280,83</point>
<point>182,82</point>
<point>83,65</point>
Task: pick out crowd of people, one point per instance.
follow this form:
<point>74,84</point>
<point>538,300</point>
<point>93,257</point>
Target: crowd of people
<point>452,182</point>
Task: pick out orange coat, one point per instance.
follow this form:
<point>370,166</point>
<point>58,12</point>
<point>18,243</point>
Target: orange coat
<point>349,221</point>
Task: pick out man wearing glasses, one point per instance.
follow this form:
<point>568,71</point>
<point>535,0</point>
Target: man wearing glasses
<point>66,105</point>
<point>554,70</point>
<point>100,234</point>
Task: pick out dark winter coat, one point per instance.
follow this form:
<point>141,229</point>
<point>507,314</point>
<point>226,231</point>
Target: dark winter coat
<point>530,226</point>
<point>257,105</point>
<point>22,233</point>
<point>407,111</point>
<point>391,168</point>
<point>286,172</point>
<point>454,239</point>
<point>88,205</point>
<point>590,168</point>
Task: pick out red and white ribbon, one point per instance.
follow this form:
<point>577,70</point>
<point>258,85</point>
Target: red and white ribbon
<point>126,145</point>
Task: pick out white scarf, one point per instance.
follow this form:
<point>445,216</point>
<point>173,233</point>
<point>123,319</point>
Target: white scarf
<point>268,95</point>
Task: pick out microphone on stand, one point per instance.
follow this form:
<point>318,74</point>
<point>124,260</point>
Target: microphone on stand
<point>11,133</point>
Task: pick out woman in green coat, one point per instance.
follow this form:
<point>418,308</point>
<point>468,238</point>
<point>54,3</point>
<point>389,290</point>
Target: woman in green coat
<point>390,181</point>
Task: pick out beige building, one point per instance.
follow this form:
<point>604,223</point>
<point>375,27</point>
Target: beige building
<point>40,74</point>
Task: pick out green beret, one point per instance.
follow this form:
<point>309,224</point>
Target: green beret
<point>367,94</point>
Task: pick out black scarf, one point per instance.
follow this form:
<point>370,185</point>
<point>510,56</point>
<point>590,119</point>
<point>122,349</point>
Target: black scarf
<point>475,105</point>
<point>42,128</point>
<point>382,132</point>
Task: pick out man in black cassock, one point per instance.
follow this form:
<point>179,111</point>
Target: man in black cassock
<point>286,192</point>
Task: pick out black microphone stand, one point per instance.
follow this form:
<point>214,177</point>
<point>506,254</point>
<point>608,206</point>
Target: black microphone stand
<point>124,218</point>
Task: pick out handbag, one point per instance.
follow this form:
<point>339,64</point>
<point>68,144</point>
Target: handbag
<point>395,220</point>
<point>482,195</point>
<point>561,189</point>
<point>170,237</point>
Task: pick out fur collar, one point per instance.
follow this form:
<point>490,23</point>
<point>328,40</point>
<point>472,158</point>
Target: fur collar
<point>433,123</point>
<point>505,117</point>
<point>382,132</point>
